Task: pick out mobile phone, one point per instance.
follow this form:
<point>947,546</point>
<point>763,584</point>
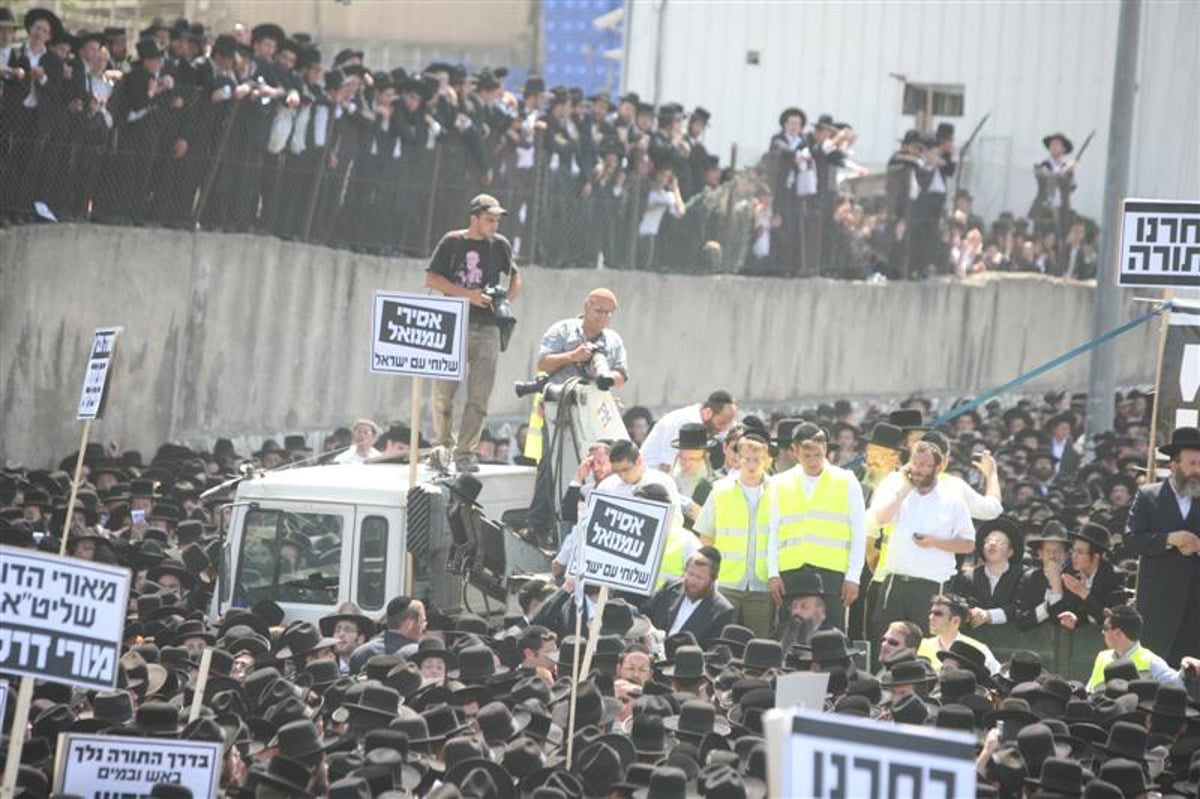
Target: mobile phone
<point>918,536</point>
<point>138,518</point>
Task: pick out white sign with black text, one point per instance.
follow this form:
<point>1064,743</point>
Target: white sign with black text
<point>419,335</point>
<point>99,766</point>
<point>95,379</point>
<point>1160,243</point>
<point>623,542</point>
<point>61,619</point>
<point>823,756</point>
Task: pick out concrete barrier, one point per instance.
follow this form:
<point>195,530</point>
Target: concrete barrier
<point>242,335</point>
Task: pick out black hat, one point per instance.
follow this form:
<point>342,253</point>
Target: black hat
<point>702,114</point>
<point>591,707</point>
<point>648,734</point>
<point>302,638</point>
<point>1062,137</point>
<point>791,112</point>
<point>1182,438</point>
<point>478,776</point>
<point>1053,530</point>
<point>1170,701</point>
<point>911,672</point>
<point>267,30</point>
<point>364,623</point>
<point>697,718</point>
<point>498,724</point>
<point>827,646</point>
<point>888,436</point>
<point>911,136</point>
<point>907,419</point>
<point>692,435</point>
<point>761,654</point>
<point>35,14</point>
<point>1007,526</point>
<point>467,487</point>
<point>802,582</point>
<point>1095,534</point>
<point>431,646</point>
<point>1059,776</point>
<point>375,701</point>
<point>969,657</point>
<point>283,772</point>
<point>1127,775</point>
<point>1126,739</point>
<point>7,20</point>
<point>535,84</point>
<point>944,132</point>
<point>148,48</point>
<point>476,664</point>
<point>619,618</point>
<point>687,664</point>
<point>735,636</point>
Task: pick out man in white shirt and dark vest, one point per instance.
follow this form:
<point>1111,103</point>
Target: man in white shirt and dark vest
<point>734,519</point>
<point>817,519</point>
<point>931,526</point>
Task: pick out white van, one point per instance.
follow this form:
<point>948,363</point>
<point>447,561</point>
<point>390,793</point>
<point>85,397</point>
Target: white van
<point>312,538</point>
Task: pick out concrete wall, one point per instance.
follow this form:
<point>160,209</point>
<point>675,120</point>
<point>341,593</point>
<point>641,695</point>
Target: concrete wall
<point>242,335</point>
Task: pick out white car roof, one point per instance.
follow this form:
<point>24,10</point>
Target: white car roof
<point>375,483</point>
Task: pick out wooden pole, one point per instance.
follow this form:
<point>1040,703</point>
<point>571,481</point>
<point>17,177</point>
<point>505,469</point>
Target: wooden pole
<point>87,429</point>
<point>1164,324</point>
<point>201,684</point>
<point>16,737</point>
<point>574,684</point>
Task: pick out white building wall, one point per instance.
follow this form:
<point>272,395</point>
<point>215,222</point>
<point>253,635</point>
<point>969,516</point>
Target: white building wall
<point>1035,66</point>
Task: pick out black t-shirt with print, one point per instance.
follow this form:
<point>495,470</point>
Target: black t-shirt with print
<point>472,264</point>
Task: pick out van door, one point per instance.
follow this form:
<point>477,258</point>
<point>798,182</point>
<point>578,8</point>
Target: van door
<point>294,553</point>
<point>376,569</point>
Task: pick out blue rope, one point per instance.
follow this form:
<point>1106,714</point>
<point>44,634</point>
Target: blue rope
<point>1061,359</point>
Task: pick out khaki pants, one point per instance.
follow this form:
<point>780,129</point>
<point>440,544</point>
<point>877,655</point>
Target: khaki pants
<point>483,350</point>
<point>757,610</point>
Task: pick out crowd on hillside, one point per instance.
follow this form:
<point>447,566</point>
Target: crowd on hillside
<point>257,130</point>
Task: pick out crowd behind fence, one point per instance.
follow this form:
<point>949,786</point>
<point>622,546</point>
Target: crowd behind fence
<point>256,132</point>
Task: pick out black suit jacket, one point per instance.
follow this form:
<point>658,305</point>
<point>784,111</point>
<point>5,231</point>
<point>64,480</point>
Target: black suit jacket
<point>1163,573</point>
<point>1107,582</point>
<point>1031,594</point>
<point>706,621</point>
<point>976,588</point>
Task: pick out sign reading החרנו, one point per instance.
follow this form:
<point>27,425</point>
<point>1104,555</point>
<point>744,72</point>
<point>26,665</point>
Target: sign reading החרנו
<point>623,542</point>
<point>1160,244</point>
<point>418,335</point>
<point>95,378</point>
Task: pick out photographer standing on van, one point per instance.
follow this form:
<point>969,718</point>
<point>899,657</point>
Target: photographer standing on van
<point>468,264</point>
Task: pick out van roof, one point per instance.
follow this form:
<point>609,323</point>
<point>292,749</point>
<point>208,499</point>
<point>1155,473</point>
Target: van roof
<point>365,483</point>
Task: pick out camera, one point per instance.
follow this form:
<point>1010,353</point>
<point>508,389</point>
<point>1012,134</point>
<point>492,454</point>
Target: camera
<point>502,312</point>
<point>526,387</point>
<point>605,377</point>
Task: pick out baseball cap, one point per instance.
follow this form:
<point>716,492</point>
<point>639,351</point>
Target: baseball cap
<point>486,204</point>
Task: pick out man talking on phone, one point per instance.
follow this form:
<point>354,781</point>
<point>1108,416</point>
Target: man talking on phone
<point>931,525</point>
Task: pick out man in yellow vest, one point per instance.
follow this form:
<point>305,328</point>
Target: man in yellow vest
<point>1122,631</point>
<point>817,520</point>
<point>734,519</point>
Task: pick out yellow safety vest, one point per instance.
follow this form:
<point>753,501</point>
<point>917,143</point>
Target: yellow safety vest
<point>731,535</point>
<point>674,559</point>
<point>814,531</point>
<point>880,574</point>
<point>1141,657</point>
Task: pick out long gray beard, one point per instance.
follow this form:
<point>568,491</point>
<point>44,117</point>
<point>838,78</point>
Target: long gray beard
<point>1190,489</point>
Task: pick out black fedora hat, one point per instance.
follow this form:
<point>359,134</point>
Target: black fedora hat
<point>432,646</point>
<point>302,638</point>
<point>1068,146</point>
<point>802,582</point>
<point>377,701</point>
<point>1182,438</point>
<point>352,614</point>
<point>1053,530</point>
<point>1009,527</point>
<point>827,646</point>
<point>793,112</point>
<point>969,657</point>
<point>1095,534</point>
<point>910,672</point>
<point>498,724</point>
<point>478,776</point>
<point>477,664</point>
<point>687,664</point>
<point>38,14</point>
<point>1170,701</point>
<point>1059,776</point>
<point>621,618</point>
<point>761,654</point>
<point>907,419</point>
<point>696,719</point>
<point>1127,775</point>
<point>467,487</point>
<point>285,773</point>
<point>735,636</point>
<point>1128,740</point>
<point>648,734</point>
<point>888,436</point>
<point>692,435</point>
<point>591,707</point>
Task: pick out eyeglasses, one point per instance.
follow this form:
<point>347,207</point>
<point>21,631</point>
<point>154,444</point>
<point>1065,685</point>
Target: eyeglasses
<point>890,641</point>
<point>602,311</point>
<point>938,613</point>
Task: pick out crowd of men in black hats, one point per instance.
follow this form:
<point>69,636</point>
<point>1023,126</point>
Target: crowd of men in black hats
<point>258,130</point>
<point>419,703</point>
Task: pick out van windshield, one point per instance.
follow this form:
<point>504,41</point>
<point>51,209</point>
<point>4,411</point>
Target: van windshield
<point>289,557</point>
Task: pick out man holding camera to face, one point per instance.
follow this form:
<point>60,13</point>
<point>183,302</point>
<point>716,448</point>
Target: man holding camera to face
<point>585,346</point>
<point>468,263</point>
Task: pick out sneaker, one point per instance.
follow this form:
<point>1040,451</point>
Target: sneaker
<point>467,463</point>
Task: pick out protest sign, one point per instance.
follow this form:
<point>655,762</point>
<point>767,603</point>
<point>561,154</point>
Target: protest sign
<point>95,378</point>
<point>107,765</point>
<point>418,335</point>
<point>1179,382</point>
<point>1160,243</point>
<point>61,619</point>
<point>802,689</point>
<point>3,697</point>
<point>823,756</point>
<point>623,542</point>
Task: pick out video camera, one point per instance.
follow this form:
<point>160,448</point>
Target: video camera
<point>604,380</point>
